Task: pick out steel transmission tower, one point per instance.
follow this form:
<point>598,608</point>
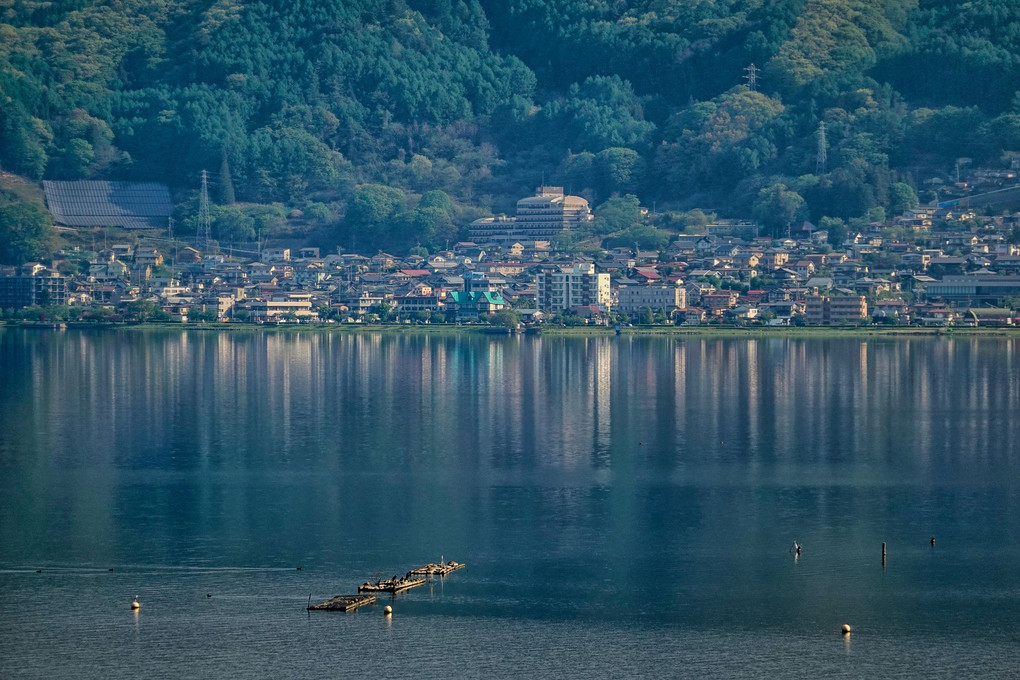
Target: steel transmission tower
<point>823,155</point>
<point>203,214</point>
<point>752,78</point>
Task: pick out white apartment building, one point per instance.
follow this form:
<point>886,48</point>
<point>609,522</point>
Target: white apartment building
<point>578,286</point>
<point>270,308</point>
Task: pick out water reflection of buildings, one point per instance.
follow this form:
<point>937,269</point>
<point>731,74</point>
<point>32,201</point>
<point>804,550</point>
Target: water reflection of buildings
<point>477,403</point>
<point>601,387</point>
<point>481,421</point>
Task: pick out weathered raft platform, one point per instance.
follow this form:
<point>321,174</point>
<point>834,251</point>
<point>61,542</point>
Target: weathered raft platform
<point>391,585</point>
<point>343,603</point>
<point>437,569</point>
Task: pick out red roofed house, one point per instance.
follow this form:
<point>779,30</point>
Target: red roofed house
<point>647,274</point>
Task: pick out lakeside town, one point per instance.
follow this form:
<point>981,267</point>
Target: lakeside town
<point>954,263</point>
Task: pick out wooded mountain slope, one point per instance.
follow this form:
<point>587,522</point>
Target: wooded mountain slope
<point>350,110</point>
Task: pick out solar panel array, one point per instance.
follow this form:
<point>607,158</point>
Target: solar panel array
<point>90,203</point>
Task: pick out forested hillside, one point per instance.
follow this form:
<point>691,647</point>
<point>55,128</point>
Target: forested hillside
<point>390,124</point>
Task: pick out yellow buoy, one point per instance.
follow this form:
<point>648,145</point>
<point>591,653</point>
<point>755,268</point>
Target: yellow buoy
<point>135,605</point>
<point>846,629</point>
<point>388,610</point>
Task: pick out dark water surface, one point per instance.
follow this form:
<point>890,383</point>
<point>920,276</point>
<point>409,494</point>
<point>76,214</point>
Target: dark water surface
<point>625,505</point>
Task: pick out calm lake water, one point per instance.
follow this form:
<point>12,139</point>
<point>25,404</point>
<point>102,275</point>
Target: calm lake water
<point>625,506</point>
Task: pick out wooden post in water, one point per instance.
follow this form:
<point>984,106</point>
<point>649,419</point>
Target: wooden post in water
<point>883,553</point>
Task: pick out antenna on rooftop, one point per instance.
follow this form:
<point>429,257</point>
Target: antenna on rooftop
<point>752,77</point>
<point>823,155</point>
<point>203,213</point>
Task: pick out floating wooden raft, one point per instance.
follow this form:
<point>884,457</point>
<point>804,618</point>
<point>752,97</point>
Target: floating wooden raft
<point>343,603</point>
<point>391,585</point>
<point>438,569</point>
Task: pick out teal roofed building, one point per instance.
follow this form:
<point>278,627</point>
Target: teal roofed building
<point>463,304</point>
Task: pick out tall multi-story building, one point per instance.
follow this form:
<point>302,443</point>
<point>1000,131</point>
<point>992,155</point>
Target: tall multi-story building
<point>549,212</point>
<point>562,289</point>
<point>542,216</point>
<point>833,310</point>
<point>637,299</point>
<point>35,286</point>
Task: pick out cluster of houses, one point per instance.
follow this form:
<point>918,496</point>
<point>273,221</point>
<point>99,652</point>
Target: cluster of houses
<point>931,275</point>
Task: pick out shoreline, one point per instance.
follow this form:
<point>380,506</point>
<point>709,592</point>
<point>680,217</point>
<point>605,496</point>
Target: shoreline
<point>557,331</point>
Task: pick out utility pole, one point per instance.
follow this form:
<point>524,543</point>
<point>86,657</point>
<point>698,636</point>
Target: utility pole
<point>823,155</point>
<point>203,213</point>
<point>752,77</point>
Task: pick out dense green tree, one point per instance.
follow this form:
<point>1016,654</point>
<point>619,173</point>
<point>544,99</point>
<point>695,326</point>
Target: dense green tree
<point>438,199</point>
<point>689,221</point>
<point>318,213</point>
<point>602,112</point>
<point>777,207</point>
<point>618,170</point>
<point>371,207</point>
<point>22,140</point>
<point>617,214</point>
<point>836,229</point>
<point>429,226</point>
<point>204,313</point>
<point>644,236</point>
<point>943,134</point>
<point>1003,133</point>
<point>297,158</point>
<point>954,45</point>
<point>76,158</point>
<point>507,318</point>
<point>24,230</point>
<point>901,198</point>
<point>834,42</point>
<point>374,203</point>
<point>714,144</point>
<point>268,219</point>
<point>233,224</point>
<point>226,182</point>
<point>146,310</point>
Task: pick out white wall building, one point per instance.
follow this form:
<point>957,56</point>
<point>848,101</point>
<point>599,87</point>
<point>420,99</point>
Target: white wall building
<point>579,286</point>
<point>265,309</point>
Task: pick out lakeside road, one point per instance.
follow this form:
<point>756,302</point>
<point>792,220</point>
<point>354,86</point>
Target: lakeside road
<point>552,330</point>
